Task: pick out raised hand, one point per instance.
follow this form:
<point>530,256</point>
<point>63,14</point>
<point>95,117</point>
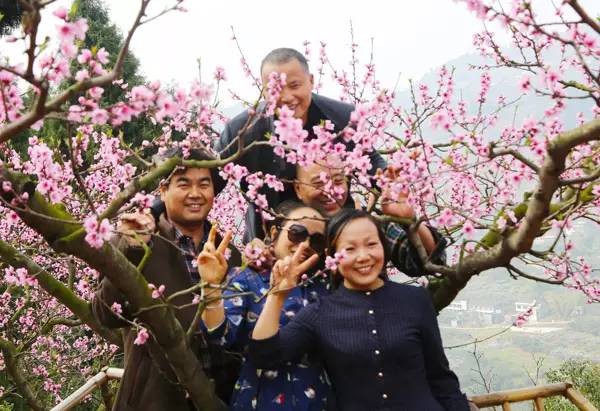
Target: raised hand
<point>395,204</point>
<point>212,264</point>
<point>286,272</point>
<point>141,224</point>
<point>371,201</point>
<point>265,260</point>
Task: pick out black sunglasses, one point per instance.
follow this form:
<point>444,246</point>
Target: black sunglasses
<point>298,233</point>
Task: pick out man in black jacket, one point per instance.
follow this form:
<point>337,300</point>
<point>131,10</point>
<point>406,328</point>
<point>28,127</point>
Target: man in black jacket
<point>311,108</point>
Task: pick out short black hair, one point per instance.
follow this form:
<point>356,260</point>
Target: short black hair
<point>198,154</point>
<point>283,55</point>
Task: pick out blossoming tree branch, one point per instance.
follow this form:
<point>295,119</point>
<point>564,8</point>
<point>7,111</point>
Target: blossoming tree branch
<point>493,190</point>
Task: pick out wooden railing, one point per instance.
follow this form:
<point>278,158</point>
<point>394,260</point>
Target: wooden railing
<point>534,394</point>
<point>502,398</point>
<point>97,381</point>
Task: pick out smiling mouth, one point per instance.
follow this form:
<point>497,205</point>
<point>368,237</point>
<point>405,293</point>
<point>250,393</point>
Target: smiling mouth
<point>364,270</point>
<point>329,204</point>
<point>194,207</point>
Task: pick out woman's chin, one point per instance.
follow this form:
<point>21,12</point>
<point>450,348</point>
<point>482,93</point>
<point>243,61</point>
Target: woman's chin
<point>363,282</point>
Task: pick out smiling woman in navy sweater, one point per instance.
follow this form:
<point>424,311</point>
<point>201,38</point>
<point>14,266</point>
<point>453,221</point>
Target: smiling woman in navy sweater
<point>380,341</point>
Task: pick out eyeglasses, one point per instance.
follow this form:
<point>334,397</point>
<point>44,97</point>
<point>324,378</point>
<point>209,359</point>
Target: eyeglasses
<point>298,233</point>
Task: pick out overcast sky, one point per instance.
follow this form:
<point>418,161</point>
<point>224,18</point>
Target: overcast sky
<point>410,37</point>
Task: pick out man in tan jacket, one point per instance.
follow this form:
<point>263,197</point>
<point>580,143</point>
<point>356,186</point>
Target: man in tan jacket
<point>148,382</point>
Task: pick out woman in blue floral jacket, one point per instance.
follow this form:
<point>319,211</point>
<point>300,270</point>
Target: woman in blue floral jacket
<point>295,386</point>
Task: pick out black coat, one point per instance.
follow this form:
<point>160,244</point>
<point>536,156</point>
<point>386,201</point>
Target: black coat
<point>263,159</point>
<point>382,349</point>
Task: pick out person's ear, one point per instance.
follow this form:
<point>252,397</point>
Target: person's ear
<point>163,191</point>
<point>273,234</point>
<point>264,93</point>
<point>297,188</point>
<point>312,81</point>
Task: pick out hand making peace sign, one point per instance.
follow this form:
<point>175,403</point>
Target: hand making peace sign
<point>286,272</point>
<point>212,264</point>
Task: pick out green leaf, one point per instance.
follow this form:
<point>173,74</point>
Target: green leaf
<point>74,8</point>
<point>44,45</point>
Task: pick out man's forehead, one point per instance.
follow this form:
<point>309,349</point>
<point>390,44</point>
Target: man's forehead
<point>316,169</point>
<point>291,67</point>
<point>191,173</point>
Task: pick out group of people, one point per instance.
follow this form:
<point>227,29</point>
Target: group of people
<point>311,339</point>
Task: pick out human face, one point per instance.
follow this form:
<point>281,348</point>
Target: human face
<point>310,188</point>
<point>188,198</point>
<point>306,217</point>
<point>298,88</point>
<point>364,256</point>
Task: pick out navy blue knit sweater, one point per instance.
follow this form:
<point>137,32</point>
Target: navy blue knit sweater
<point>381,348</point>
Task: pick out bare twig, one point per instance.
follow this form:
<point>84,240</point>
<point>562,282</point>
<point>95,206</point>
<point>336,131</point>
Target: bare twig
<point>584,16</point>
<point>479,340</point>
<point>519,156</point>
<point>579,180</point>
<point>521,273</point>
<point>10,354</point>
